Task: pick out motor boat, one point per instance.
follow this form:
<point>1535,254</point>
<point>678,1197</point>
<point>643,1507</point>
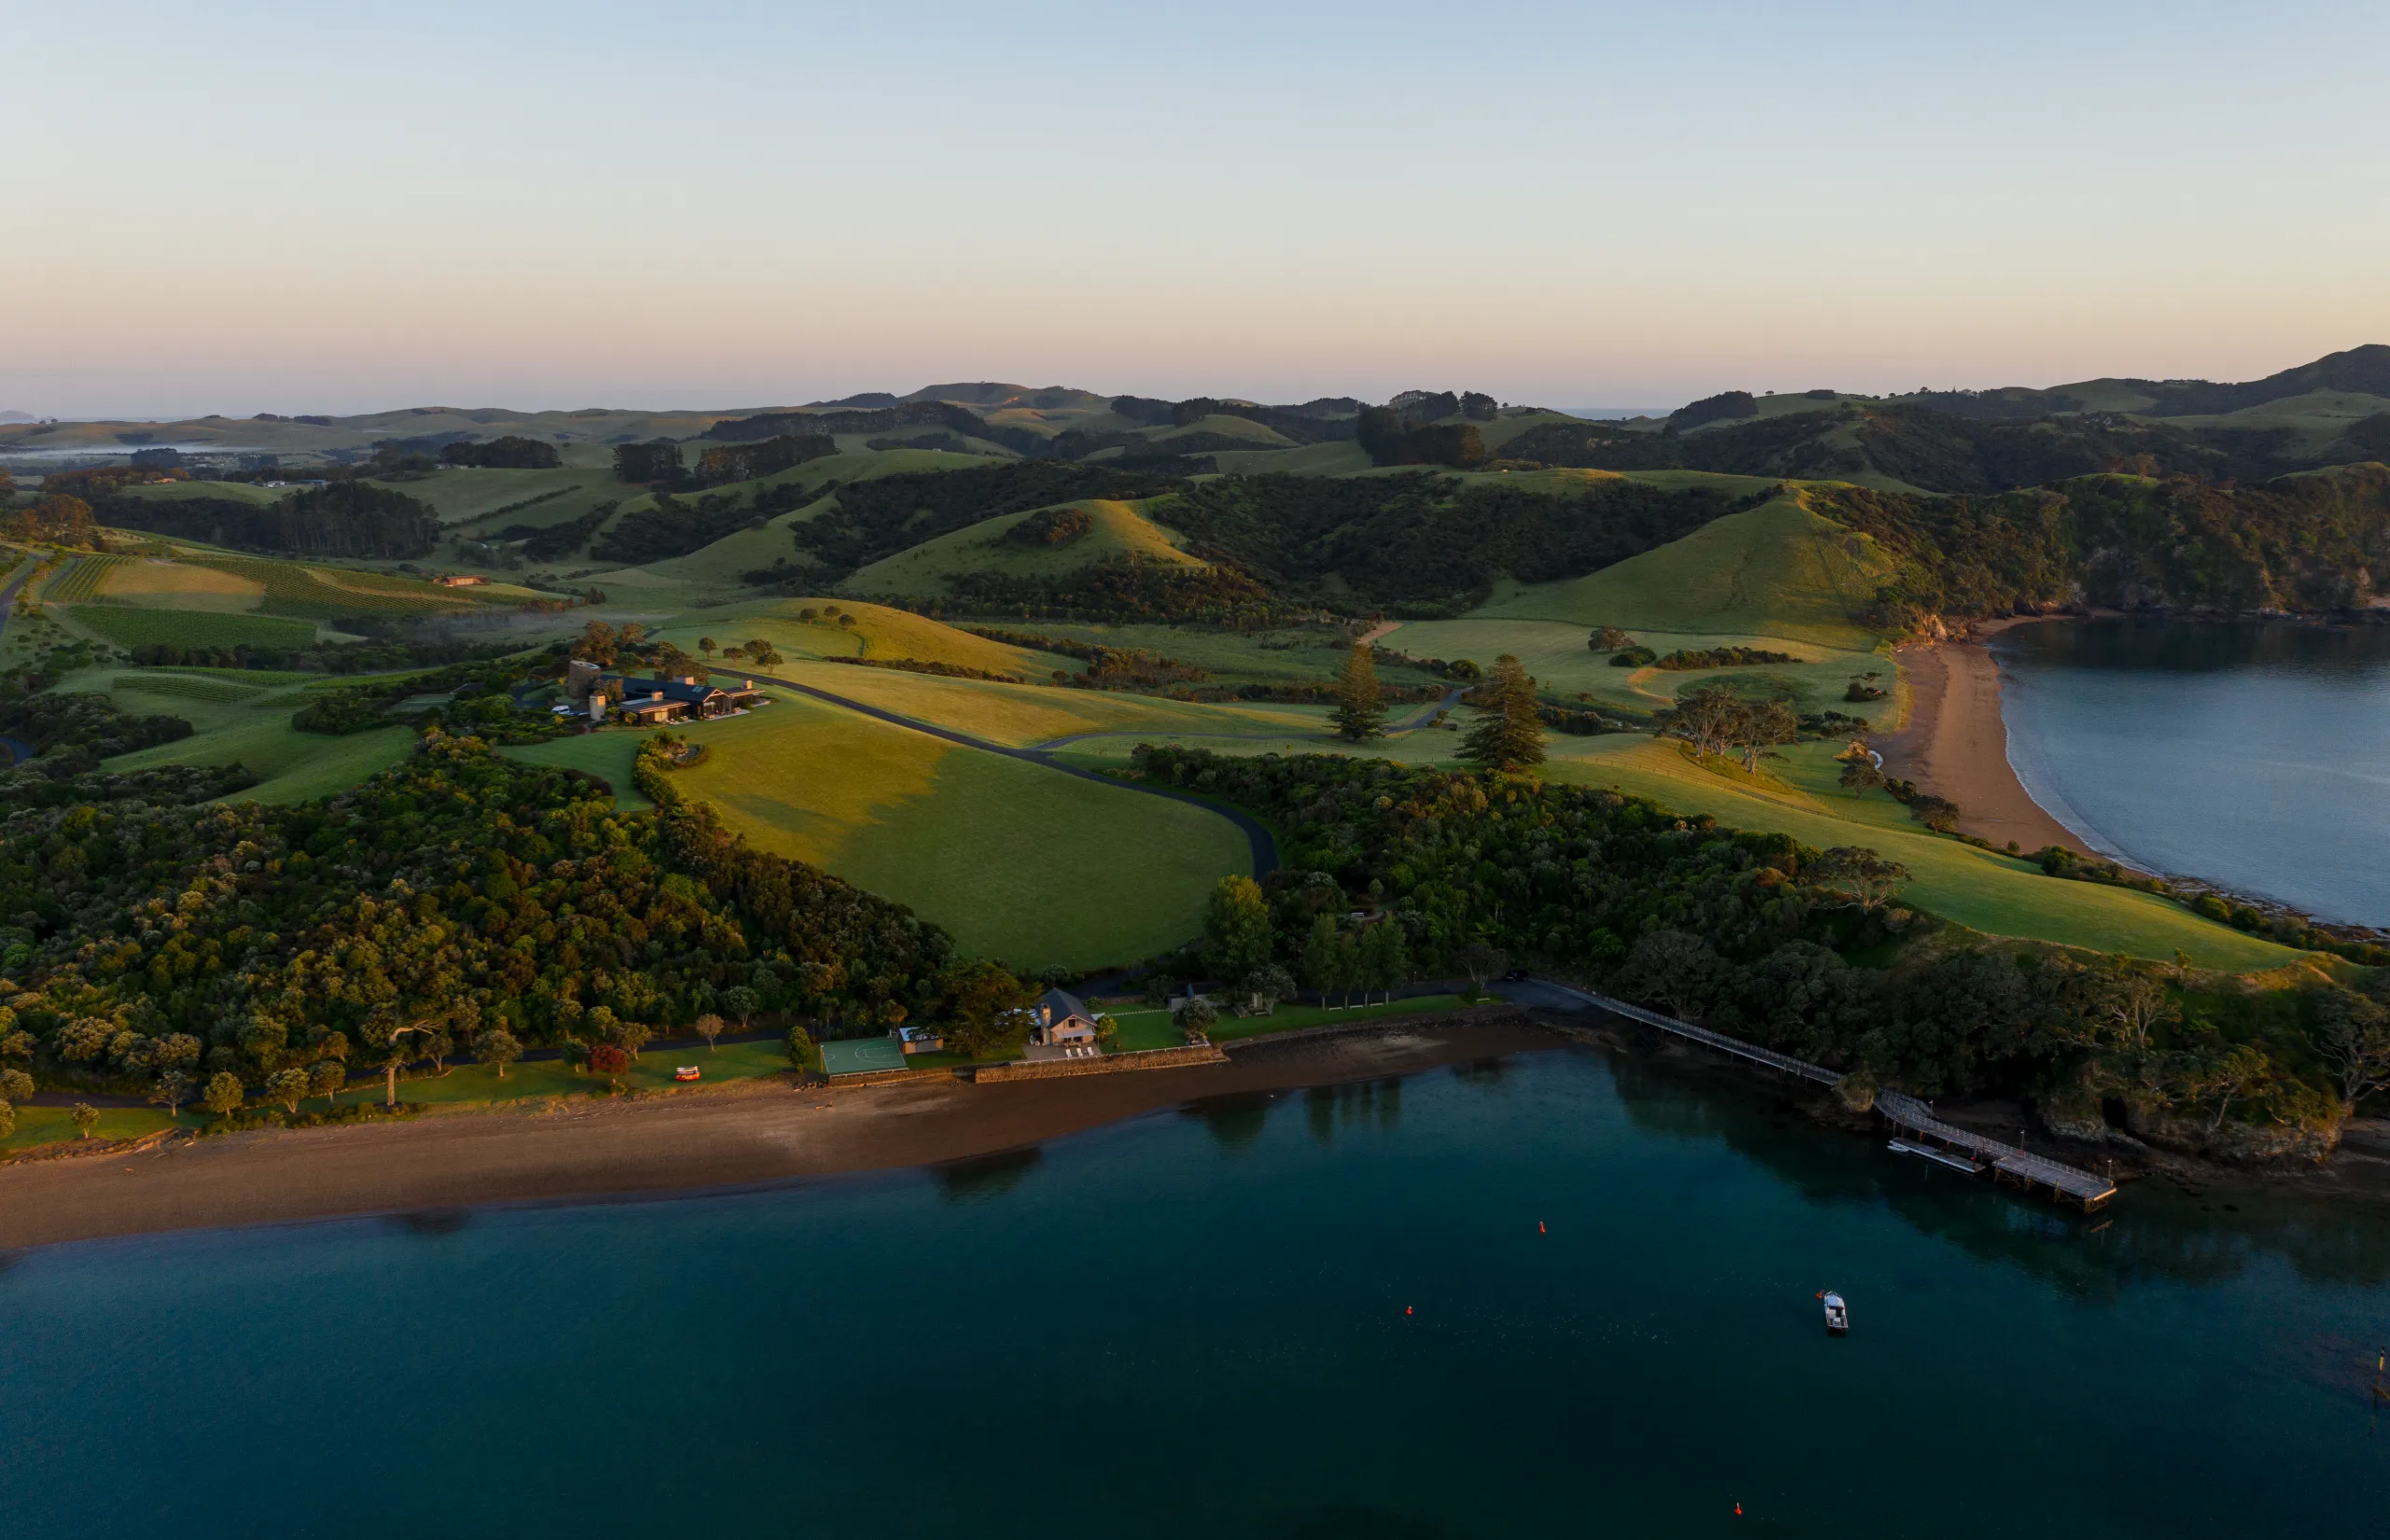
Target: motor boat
<point>1838,1314</point>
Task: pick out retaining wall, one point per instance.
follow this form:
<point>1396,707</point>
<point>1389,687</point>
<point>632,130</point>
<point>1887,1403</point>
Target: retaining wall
<point>1105,1064</point>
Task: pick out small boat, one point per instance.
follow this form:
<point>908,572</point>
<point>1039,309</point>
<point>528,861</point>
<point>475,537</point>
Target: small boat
<point>686,1071</point>
<point>1838,1314</point>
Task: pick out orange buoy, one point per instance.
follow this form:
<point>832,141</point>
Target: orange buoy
<point>1406,1310</point>
<point>1739,1510</point>
<point>1539,1227</point>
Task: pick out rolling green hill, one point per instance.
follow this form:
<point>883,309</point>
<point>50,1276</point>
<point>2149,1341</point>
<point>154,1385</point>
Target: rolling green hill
<point>1116,530</point>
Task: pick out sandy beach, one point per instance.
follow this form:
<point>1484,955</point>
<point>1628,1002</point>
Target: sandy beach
<point>1956,746</point>
<point>596,1149</point>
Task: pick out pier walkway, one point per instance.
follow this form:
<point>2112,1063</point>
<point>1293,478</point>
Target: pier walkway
<point>1904,1112</point>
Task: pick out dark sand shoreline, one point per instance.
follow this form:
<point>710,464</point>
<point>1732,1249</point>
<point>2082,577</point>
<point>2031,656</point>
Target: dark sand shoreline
<point>765,1134</point>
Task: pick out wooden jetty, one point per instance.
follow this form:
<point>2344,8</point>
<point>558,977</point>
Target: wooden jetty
<point>1912,1117</point>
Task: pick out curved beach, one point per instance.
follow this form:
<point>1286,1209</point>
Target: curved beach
<point>1955,745</point>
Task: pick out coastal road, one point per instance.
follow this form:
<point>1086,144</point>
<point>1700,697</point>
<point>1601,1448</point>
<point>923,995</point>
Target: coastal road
<point>1263,844</point>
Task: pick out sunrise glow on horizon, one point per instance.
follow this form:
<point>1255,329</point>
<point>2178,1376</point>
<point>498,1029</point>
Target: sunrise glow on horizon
<point>236,210</point>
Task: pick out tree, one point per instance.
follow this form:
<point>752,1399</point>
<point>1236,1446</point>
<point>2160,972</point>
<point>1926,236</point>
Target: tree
<point>224,1094</point>
<point>1481,962</point>
<point>1607,639</point>
<point>1710,719</point>
<point>1762,725</point>
<point>16,1085</point>
<point>1860,776</point>
<point>1359,713</point>
<point>1386,955</point>
<point>607,1059</point>
<point>1108,1030</point>
<point>391,1036</point>
<point>709,1026</point>
<point>1264,987</point>
<point>498,1046</point>
<point>325,1078</point>
<point>1673,967</point>
<point>7,1118</point>
<point>1195,1017</point>
<point>800,1047</point>
<point>173,1089</point>
<point>986,1007</point>
<point>1509,736</point>
<point>87,1117</point>
<point>706,645</point>
<point>1320,972</point>
<point>2354,1033</point>
<point>1237,934</point>
<point>742,1002</point>
<point>290,1087</point>
<point>1858,873</point>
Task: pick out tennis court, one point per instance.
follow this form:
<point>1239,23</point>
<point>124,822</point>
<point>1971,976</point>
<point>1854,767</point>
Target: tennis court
<point>861,1056</point>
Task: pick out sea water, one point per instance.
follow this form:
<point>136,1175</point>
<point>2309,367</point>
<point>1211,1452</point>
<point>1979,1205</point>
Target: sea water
<point>2253,756</point>
<point>1553,1294</point>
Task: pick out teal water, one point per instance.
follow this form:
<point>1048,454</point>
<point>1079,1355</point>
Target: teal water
<point>1195,1324</point>
<point>2256,756</point>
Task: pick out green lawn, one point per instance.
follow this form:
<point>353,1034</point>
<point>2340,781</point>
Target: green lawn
<point>1020,862</point>
<point>1290,1018</point>
<point>467,1084</point>
<point>608,755</point>
<point>53,1124</point>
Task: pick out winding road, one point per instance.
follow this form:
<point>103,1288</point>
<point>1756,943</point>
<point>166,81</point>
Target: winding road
<point>1257,836</point>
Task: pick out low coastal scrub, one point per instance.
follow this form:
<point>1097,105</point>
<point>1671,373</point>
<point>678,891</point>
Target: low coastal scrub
<point>1719,657</point>
<point>1804,950</point>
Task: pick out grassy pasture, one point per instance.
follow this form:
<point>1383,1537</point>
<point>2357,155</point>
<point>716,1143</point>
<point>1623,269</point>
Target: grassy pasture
<point>318,592</point>
<point>467,495</point>
<point>231,491</point>
<point>1776,571</point>
<point>39,1126</point>
<point>216,692</point>
<point>1017,861</point>
<point>291,765</point>
<point>128,626</point>
<point>608,756</point>
<point>1996,894</point>
<point>1021,715</point>
<point>1122,530</point>
<point>1343,457</point>
<point>878,632</point>
<point>1556,654</point>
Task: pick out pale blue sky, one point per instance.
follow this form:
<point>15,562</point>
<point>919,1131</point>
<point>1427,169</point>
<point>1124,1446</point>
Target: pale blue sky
<point>237,208</point>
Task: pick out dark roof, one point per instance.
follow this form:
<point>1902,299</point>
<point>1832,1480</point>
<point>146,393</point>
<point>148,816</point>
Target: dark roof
<point>1064,1005</point>
<point>634,691</point>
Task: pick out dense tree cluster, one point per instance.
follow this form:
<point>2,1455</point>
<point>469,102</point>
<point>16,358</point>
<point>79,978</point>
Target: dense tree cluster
<point>1754,933</point>
<point>1392,439</point>
<point>2297,543</point>
<point>1049,528</point>
<point>1688,658</point>
<point>460,895</point>
<point>509,452</point>
<point>1417,545</point>
<point>1121,590</point>
<point>669,527</point>
<point>722,464</point>
<point>344,519</point>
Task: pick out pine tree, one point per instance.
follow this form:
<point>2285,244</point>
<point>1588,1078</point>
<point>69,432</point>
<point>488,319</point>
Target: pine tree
<point>1359,714</point>
<point>1509,736</point>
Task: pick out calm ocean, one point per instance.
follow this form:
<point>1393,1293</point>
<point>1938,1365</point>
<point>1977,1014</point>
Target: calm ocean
<point>1554,1294</point>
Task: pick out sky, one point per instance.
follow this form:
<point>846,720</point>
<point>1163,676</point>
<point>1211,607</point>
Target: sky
<point>239,208</point>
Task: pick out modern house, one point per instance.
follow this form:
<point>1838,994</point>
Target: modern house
<point>687,698</point>
<point>1060,1020</point>
<point>916,1039</point>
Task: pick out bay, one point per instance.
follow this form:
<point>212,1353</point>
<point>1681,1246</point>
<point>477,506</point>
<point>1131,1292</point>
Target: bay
<point>2255,756</point>
<point>1560,1293</point>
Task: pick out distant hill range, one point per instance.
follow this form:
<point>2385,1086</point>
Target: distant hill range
<point>2335,411</point>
